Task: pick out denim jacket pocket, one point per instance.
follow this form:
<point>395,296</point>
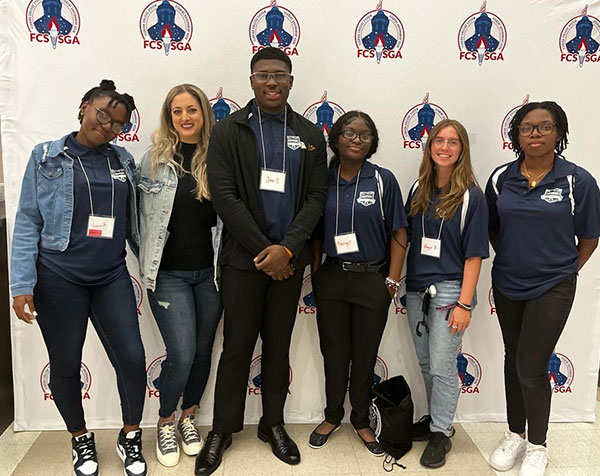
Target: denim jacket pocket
<point>149,196</point>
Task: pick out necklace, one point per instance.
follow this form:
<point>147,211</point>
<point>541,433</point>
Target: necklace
<point>533,180</point>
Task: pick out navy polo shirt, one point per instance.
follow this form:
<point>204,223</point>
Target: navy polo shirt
<point>536,229</point>
<point>93,260</point>
<point>279,209</point>
<point>457,246</point>
<point>372,230</point>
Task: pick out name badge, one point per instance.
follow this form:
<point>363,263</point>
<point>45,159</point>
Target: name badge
<point>346,243</point>
<point>431,247</point>
<point>272,181</point>
<point>293,142</point>
<point>100,227</point>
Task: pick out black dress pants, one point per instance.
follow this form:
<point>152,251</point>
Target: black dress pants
<point>255,304</point>
<point>530,330</point>
<point>352,310</point>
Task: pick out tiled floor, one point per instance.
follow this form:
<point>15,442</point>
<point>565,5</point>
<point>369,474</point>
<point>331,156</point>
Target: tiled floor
<point>574,451</point>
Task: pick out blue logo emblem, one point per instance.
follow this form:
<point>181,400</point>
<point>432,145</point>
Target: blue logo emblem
<point>255,377</point>
<point>505,128</point>
<point>85,382</point>
<point>482,37</point>
<point>323,113</point>
<point>275,26</point>
<point>560,373</point>
<point>579,39</point>
<point>307,303</point>
<point>53,21</point>
<point>419,121</point>
<point>223,106</point>
<point>379,34</point>
<point>400,299</point>
<point>130,130</point>
<point>153,376</point>
<point>469,372</point>
<point>166,25</point>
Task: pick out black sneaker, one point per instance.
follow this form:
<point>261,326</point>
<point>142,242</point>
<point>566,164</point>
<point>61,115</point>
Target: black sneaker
<point>85,459</point>
<point>129,448</point>
<point>420,431</point>
<point>434,455</point>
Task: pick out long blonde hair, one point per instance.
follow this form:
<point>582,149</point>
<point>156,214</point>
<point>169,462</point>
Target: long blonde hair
<point>461,179</point>
<point>165,140</point>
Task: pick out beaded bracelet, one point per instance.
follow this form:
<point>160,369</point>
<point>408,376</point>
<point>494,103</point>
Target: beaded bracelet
<point>464,306</point>
<point>392,284</point>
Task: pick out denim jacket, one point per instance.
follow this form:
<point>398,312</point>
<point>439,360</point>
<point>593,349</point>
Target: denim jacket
<point>45,210</point>
<point>156,196</point>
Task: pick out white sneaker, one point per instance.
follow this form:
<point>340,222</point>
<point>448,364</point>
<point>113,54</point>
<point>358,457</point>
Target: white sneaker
<point>535,461</point>
<point>191,441</point>
<point>509,450</point>
<point>167,449</point>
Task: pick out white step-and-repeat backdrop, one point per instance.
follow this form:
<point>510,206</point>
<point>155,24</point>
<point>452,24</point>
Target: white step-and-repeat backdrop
<point>474,62</point>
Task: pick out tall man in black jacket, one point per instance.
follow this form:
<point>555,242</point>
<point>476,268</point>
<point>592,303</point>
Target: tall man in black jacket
<point>267,174</point>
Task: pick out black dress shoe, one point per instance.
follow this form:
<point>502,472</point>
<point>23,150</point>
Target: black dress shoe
<point>282,445</point>
<point>211,454</point>
<point>318,440</point>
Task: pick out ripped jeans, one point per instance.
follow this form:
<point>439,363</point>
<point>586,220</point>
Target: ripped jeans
<point>437,352</point>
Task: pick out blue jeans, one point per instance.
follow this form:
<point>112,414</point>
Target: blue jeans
<point>436,351</point>
<point>63,309</point>
<point>187,309</point>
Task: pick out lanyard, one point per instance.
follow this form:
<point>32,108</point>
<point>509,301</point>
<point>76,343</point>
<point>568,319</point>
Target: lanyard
<point>423,226</point>
<point>262,138</point>
<point>337,201</point>
<point>112,182</point>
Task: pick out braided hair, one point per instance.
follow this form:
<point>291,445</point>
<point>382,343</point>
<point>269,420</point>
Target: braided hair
<point>560,120</point>
<point>108,88</point>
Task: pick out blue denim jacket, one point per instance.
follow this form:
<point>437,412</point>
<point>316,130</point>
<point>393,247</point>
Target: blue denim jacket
<point>45,210</point>
<point>156,196</point>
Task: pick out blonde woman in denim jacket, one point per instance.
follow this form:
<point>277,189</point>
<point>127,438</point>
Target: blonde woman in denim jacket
<point>177,261</point>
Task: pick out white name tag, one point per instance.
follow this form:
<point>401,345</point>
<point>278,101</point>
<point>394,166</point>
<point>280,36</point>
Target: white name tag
<point>346,243</point>
<point>293,142</point>
<point>431,247</point>
<point>272,181</point>
<point>100,227</point>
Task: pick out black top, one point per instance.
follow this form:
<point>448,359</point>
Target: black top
<point>189,245</point>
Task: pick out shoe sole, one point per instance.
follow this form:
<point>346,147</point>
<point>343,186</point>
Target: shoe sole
<point>365,446</point>
<point>189,452</point>
<point>122,456</point>
<point>160,458</point>
<point>227,445</point>
<point>266,440</point>
<point>327,440</point>
<point>440,463</point>
<point>507,468</point>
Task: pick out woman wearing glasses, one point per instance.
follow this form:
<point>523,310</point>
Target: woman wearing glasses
<point>178,271</point>
<point>364,239</point>
<point>76,210</point>
<point>448,240</point>
<point>544,226</point>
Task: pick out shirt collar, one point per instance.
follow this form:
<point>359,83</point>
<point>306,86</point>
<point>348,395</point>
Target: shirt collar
<point>265,116</point>
<point>560,168</point>
<point>367,171</point>
<point>77,149</point>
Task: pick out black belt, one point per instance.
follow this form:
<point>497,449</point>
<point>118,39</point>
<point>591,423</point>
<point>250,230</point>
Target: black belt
<point>364,267</point>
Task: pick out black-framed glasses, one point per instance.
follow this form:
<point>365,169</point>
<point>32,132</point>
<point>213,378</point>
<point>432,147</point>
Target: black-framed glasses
<point>544,128</point>
<point>263,77</point>
<point>351,135</point>
<point>104,118</point>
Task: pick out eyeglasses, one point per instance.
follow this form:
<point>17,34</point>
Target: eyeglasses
<point>452,143</point>
<point>351,135</point>
<point>544,128</point>
<point>262,77</point>
<point>104,118</point>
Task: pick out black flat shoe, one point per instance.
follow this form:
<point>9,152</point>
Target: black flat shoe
<point>318,440</point>
<point>211,454</point>
<point>373,447</point>
<point>282,445</point>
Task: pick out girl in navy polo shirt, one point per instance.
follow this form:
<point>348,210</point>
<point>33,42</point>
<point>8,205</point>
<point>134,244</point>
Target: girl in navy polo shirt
<point>448,240</point>
<point>544,226</point>
<point>76,210</point>
<point>364,236</point>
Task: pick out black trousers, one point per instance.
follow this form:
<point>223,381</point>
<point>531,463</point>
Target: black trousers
<point>254,305</point>
<point>352,310</point>
<point>530,330</point>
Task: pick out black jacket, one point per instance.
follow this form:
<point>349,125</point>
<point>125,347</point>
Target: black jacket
<point>233,177</point>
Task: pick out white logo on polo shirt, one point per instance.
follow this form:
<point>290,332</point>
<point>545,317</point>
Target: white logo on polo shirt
<point>552,195</point>
<point>366,199</point>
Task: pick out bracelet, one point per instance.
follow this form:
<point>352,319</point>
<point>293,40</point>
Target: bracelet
<point>287,250</point>
<point>464,306</point>
<point>392,284</point>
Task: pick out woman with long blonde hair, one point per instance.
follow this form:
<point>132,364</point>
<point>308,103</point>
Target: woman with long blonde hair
<point>176,260</point>
<point>447,215</point>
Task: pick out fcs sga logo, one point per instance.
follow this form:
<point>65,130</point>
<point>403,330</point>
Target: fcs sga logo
<point>418,122</point>
<point>505,127</point>
<point>153,376</point>
<point>400,301</point>
<point>85,382</point>
<point>307,304</point>
<point>323,113</point>
<point>255,377</point>
<point>469,372</point>
<point>166,25</point>
<point>275,26</point>
<point>138,293</point>
<point>379,34</point>
<point>380,372</point>
<point>560,373</point>
<point>482,36</point>
<point>53,21</point>
<point>579,38</point>
<point>492,301</point>
<point>223,106</point>
<point>130,130</point>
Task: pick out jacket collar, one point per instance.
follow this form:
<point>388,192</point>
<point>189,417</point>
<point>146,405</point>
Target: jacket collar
<point>246,113</point>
